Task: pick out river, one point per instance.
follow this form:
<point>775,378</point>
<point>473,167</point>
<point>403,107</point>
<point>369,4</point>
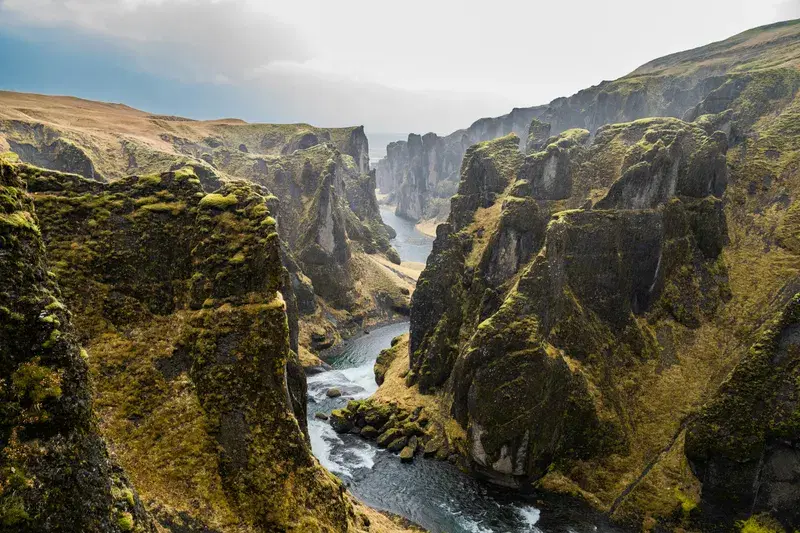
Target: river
<point>431,493</point>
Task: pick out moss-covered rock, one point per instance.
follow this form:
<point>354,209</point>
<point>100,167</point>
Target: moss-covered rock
<point>198,388</point>
<point>55,470</point>
<point>742,445</point>
<point>536,316</point>
<point>290,160</point>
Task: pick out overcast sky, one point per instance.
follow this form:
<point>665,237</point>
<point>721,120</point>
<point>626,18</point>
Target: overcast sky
<point>400,66</point>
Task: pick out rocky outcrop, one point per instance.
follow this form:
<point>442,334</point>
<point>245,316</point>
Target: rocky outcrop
<point>584,302</point>
<point>426,167</point>
<point>42,146</point>
<point>55,470</point>
<point>297,163</point>
<point>180,298</point>
<point>550,282</point>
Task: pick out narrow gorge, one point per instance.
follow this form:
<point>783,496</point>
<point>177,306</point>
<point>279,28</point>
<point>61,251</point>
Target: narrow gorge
<point>215,326</point>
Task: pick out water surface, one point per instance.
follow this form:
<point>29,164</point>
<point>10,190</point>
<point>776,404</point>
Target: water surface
<point>410,243</point>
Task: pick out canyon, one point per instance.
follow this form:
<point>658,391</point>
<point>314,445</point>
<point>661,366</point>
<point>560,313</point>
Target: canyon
<point>202,322</point>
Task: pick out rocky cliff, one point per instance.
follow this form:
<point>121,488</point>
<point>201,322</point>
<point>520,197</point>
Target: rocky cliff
<point>55,470</point>
<point>418,175</point>
<point>321,190</point>
<point>180,299</point>
<point>424,168</point>
<point>585,302</point>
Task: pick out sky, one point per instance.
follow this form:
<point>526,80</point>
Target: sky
<point>415,65</point>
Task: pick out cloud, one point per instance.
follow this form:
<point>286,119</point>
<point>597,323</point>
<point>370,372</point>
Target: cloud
<point>335,100</point>
<point>207,40</point>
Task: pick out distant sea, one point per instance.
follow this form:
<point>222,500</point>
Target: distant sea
<point>378,142</point>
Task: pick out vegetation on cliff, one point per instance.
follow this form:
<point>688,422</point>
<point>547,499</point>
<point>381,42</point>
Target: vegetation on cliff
<point>583,303</point>
<point>315,178</point>
<point>55,470</point>
<point>180,300</point>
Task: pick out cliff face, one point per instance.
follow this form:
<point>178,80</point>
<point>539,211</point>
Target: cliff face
<point>672,86</point>
<point>320,188</point>
<point>180,298</point>
<point>55,470</point>
<point>424,168</point>
<point>585,301</point>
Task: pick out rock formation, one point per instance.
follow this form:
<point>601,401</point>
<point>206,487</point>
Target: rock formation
<point>320,188</point>
<point>418,171</point>
<point>585,301</point>
<point>55,470</point>
<point>180,298</point>
<point>743,444</point>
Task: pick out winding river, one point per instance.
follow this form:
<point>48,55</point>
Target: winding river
<point>431,493</point>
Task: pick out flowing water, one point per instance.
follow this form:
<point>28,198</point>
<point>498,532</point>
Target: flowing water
<point>410,243</point>
<point>431,493</point>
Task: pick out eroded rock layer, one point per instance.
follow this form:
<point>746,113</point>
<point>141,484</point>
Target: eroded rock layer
<point>55,470</point>
<point>320,187</point>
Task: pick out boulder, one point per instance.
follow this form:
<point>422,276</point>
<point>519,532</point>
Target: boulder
<point>407,454</point>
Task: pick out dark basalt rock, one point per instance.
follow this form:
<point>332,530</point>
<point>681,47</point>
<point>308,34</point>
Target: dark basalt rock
<point>427,167</point>
<point>301,141</point>
<point>202,273</point>
<point>538,133</point>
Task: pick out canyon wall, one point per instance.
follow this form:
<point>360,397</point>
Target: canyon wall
<point>186,313</point>
<point>318,185</point>
<point>599,315</point>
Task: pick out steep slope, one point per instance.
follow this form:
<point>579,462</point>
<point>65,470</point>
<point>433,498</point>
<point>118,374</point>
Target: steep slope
<point>55,470</point>
<point>671,87</point>
<point>180,298</point>
<point>743,445</point>
<point>118,140</point>
<point>322,191</point>
<point>584,302</point>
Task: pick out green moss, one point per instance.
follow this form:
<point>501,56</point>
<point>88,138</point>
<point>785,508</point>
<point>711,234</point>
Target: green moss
<point>125,521</point>
<point>21,220</point>
<point>51,319</point>
<point>12,510</point>
<point>55,335</point>
<point>688,504</point>
<point>218,201</point>
<point>760,524</point>
<point>9,157</point>
<point>35,382</point>
<point>175,208</point>
<point>149,180</point>
<point>184,173</point>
